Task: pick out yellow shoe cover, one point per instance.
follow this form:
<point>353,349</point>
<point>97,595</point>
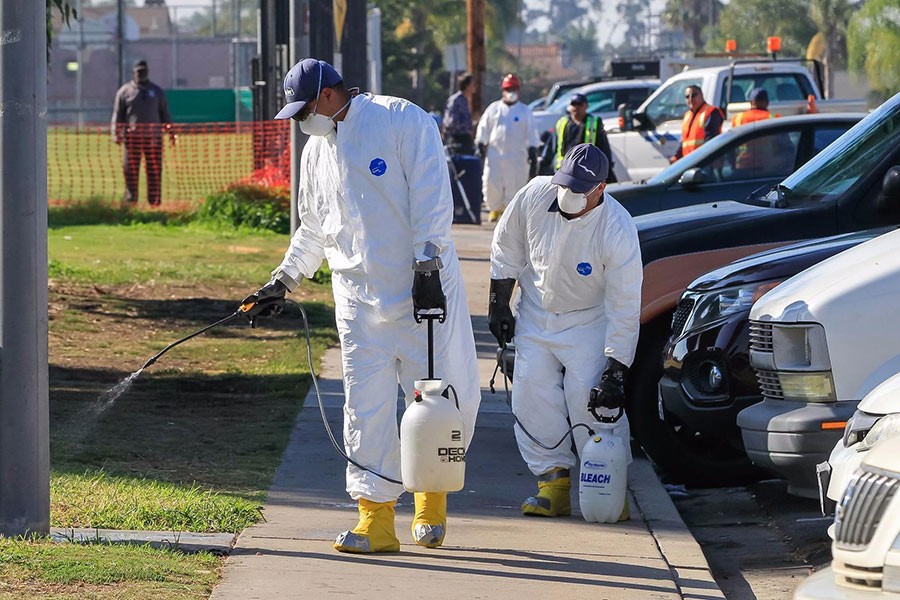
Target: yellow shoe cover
<point>430,523</point>
<point>494,215</point>
<point>373,533</point>
<point>552,499</point>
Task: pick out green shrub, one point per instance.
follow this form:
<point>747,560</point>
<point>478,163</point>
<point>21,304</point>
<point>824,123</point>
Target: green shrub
<point>250,206</point>
<point>96,211</point>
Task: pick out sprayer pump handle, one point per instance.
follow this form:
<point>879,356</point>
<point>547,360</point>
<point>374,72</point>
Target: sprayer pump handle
<point>606,419</point>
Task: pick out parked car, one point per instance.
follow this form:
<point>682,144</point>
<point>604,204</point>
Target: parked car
<point>558,88</point>
<point>852,185</point>
<point>876,419</point>
<point>742,161</point>
<point>604,99</point>
<point>865,551</point>
<point>820,342</point>
<point>707,378</point>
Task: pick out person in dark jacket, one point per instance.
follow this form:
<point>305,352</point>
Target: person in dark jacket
<point>578,127</point>
<point>140,115</point>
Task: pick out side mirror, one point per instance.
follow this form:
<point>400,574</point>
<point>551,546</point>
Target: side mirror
<point>694,177</point>
<point>626,118</point>
<point>889,199</point>
<point>643,120</point>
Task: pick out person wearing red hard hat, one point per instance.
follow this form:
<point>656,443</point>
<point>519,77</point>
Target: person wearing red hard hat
<point>507,141</point>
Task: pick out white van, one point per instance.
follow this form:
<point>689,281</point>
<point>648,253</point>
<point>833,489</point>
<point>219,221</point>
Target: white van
<point>820,342</point>
<point>866,549</point>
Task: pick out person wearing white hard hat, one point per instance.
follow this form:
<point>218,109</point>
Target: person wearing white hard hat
<point>507,141</point>
<point>374,201</point>
<point>575,254</point>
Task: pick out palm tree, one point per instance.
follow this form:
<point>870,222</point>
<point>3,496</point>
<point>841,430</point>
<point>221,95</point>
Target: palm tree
<point>830,18</point>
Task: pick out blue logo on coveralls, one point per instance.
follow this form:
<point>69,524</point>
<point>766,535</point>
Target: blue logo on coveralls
<point>584,268</point>
<point>378,167</point>
<point>516,119</point>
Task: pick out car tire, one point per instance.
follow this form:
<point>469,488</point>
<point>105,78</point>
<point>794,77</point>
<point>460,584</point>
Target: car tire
<point>683,456</point>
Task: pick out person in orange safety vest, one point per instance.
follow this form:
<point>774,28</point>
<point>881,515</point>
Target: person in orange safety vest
<point>759,101</point>
<point>701,122</point>
<point>758,154</point>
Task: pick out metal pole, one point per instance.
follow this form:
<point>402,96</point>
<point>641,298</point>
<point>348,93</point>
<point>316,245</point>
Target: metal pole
<point>24,411</point>
<point>353,52</point>
<point>299,48</point>
<point>79,80</point>
<point>120,40</point>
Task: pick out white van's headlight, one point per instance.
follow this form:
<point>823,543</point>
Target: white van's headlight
<point>807,387</point>
<point>887,426</point>
<point>800,347</point>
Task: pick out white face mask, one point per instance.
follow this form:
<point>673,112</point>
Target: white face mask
<point>510,97</point>
<point>316,124</point>
<point>571,202</point>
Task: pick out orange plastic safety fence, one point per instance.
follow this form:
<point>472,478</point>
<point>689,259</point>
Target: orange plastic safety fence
<point>177,165</point>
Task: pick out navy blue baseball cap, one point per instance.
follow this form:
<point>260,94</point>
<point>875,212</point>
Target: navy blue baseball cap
<point>578,99</point>
<point>758,94</point>
<point>304,82</point>
<point>583,168</point>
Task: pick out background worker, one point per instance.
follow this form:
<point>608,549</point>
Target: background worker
<point>457,123</point>
<point>507,141</point>
<point>700,124</point>
<point>374,200</point>
<point>140,113</point>
<point>574,251</point>
<point>578,127</point>
<point>759,109</point>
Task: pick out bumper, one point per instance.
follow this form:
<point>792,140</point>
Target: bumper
<point>787,437</point>
<point>821,586</point>
<point>686,390</point>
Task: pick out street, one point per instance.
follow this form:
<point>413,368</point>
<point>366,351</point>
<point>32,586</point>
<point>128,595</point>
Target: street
<point>760,541</point>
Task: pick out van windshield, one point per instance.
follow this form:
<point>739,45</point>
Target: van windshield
<point>834,170</point>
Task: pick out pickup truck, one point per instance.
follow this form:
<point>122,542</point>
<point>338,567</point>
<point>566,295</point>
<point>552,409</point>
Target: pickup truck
<point>648,137</point>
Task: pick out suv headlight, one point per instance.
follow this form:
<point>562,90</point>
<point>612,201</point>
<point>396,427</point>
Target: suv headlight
<point>719,304</point>
<point>858,426</point>
<point>887,426</point>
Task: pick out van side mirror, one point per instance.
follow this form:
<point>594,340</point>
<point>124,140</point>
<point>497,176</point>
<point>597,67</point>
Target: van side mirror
<point>626,118</point>
<point>889,199</point>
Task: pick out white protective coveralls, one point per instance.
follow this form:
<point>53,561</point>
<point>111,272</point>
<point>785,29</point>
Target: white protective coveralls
<point>508,131</point>
<point>580,303</point>
<point>374,196</point>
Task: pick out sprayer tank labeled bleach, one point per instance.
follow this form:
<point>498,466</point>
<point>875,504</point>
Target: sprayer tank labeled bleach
<point>432,444</point>
<point>604,473</point>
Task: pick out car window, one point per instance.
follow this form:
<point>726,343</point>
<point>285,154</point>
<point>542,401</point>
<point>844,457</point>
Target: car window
<point>771,154</point>
<point>559,105</point>
<point>780,88</point>
<point>632,97</point>
<point>823,136</point>
<point>670,105</point>
<point>601,101</point>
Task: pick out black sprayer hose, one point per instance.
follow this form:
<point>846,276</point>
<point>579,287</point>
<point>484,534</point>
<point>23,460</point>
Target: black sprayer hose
<point>570,432</point>
<point>230,317</point>
<point>315,381</point>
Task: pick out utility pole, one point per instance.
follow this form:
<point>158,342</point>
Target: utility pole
<point>475,49</point>
<point>120,41</point>
<point>353,51</point>
<point>24,412</point>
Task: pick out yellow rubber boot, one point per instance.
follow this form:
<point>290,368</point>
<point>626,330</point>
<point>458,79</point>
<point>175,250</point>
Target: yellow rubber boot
<point>373,533</point>
<point>552,499</point>
<point>430,523</point>
<point>494,215</point>
<point>626,511</point>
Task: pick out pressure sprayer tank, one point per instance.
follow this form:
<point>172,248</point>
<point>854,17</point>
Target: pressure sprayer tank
<point>604,470</point>
<point>432,445</point>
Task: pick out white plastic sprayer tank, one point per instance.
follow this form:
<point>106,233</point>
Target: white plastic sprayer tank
<point>432,446</point>
<point>604,471</point>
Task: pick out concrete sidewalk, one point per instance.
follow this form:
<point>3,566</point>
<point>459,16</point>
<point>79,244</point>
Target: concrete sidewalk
<point>491,550</point>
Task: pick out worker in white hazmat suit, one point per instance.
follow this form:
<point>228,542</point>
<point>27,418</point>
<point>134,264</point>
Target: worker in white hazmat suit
<point>575,254</point>
<point>507,141</point>
<point>375,201</point>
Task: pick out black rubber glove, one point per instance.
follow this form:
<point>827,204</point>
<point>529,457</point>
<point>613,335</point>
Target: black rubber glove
<point>482,152</point>
<point>428,294</point>
<point>532,162</point>
<point>267,301</point>
<point>501,321</point>
<point>610,393</point>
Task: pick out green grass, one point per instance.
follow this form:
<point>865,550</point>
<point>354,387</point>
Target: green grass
<point>40,568</point>
<point>194,443</point>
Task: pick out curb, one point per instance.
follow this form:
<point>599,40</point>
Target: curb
<point>183,541</point>
<point>676,543</point>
